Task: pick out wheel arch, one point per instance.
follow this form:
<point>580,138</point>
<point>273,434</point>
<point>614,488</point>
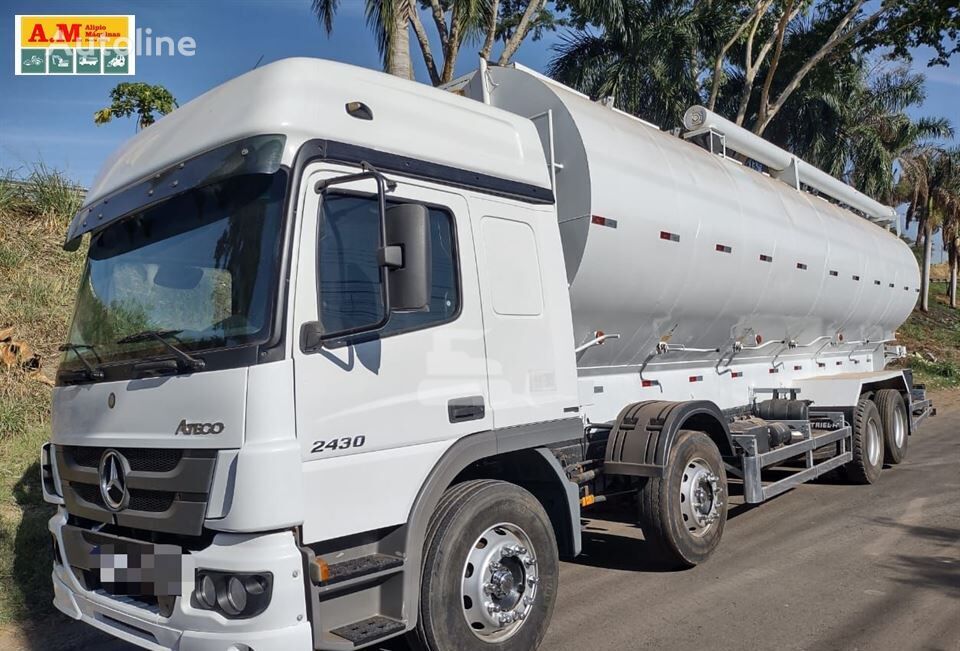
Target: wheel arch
<point>645,432</point>
<point>516,455</point>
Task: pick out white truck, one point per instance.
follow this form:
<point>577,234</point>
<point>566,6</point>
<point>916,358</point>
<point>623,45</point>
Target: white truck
<point>352,355</point>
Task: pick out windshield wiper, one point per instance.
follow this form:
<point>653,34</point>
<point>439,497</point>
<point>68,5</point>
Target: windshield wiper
<point>191,362</point>
<point>92,372</point>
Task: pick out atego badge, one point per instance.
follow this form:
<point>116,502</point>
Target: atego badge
<point>197,429</point>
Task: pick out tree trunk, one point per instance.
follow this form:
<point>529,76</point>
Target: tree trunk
<point>925,276</point>
<point>398,44</point>
<point>953,282</point>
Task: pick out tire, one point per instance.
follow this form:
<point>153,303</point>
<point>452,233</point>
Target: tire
<point>494,534</point>
<point>893,415</point>
<point>668,512</point>
<point>867,444</point>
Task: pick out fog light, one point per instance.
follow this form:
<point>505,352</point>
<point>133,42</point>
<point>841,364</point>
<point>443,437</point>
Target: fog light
<point>235,596</point>
<point>207,592</point>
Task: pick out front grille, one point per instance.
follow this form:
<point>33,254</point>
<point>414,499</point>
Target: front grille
<point>168,488</point>
<point>147,460</point>
<point>140,500</point>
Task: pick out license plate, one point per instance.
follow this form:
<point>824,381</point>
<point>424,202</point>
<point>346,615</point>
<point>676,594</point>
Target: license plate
<point>123,566</point>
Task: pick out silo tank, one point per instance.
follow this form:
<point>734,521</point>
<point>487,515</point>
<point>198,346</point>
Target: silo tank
<point>664,241</point>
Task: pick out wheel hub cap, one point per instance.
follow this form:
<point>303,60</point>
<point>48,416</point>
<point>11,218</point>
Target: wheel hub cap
<point>701,497</point>
<point>499,585</point>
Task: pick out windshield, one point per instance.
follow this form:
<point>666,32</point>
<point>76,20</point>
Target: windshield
<point>200,267</point>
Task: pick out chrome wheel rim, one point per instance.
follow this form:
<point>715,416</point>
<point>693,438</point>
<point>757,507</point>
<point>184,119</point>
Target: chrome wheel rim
<point>499,584</point>
<point>701,497</point>
<point>899,428</point>
<point>873,442</point>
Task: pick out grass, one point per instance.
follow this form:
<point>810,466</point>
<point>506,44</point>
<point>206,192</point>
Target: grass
<point>933,340</point>
<point>38,285</point>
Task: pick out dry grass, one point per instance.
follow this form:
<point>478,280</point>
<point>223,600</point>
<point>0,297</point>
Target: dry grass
<point>38,286</point>
<point>933,340</point>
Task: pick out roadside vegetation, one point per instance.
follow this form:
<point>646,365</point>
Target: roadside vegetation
<point>932,338</point>
<point>38,286</point>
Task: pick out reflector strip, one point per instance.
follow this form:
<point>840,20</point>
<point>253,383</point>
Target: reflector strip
<point>737,374</point>
<point>906,289</point>
<point>604,221</point>
<point>766,258</point>
<point>774,370</point>
<point>798,367</point>
<point>822,364</point>
<point>834,273</point>
<point>839,363</point>
<point>891,285</point>
<point>666,235</point>
<point>801,266</point>
<point>650,383</point>
<point>876,282</point>
<point>696,378</point>
<point>856,277</point>
<point>723,248</point>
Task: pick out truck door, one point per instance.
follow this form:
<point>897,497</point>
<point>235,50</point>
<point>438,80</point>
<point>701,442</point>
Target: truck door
<point>376,411</point>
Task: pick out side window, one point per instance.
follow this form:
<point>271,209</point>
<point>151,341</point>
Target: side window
<point>350,291</point>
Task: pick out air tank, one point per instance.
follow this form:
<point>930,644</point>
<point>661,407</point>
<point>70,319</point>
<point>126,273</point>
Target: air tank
<point>669,245</point>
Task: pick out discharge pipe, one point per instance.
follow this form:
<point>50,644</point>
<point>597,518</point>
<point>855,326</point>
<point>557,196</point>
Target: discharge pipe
<point>785,166</point>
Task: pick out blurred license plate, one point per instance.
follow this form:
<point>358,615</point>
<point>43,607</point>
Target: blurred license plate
<point>123,566</point>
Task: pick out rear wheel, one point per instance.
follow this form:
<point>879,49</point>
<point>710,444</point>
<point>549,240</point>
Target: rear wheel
<point>683,513</point>
<point>893,415</point>
<point>867,445</point>
<point>490,571</point>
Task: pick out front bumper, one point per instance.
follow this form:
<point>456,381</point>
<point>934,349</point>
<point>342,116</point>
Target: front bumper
<point>282,626</point>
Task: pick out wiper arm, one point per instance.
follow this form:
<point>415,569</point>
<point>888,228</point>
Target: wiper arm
<point>191,362</point>
<point>93,372</point>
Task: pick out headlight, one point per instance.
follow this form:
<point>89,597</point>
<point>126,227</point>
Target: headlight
<point>235,596</point>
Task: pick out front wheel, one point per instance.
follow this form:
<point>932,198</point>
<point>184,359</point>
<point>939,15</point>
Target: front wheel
<point>490,571</point>
<point>683,513</point>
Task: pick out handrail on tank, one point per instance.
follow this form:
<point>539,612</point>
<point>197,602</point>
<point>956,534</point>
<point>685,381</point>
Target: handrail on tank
<point>785,166</point>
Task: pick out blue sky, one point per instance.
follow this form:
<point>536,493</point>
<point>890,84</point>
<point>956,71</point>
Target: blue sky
<point>51,118</point>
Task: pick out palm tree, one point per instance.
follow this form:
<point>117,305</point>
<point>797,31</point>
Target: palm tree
<point>950,216</point>
<point>389,20</point>
<point>853,123</point>
<point>930,178</point>
<point>647,55</point>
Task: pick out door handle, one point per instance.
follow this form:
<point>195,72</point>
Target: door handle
<point>463,409</point>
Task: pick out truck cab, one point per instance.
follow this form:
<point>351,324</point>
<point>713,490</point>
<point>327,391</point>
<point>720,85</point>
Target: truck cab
<point>299,297</point>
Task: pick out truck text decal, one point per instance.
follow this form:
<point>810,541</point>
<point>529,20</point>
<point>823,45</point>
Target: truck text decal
<point>189,429</point>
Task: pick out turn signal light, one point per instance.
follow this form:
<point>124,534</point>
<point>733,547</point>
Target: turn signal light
<point>323,570</point>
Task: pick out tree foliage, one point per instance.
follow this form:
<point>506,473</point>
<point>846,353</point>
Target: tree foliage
<point>456,23</point>
<point>137,98</point>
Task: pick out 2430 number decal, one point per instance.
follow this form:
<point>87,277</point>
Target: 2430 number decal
<point>338,444</point>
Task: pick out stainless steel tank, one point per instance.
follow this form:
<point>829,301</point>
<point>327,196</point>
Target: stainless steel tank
<point>666,242</point>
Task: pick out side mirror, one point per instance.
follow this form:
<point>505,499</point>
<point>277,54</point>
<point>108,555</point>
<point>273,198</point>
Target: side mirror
<point>408,232</point>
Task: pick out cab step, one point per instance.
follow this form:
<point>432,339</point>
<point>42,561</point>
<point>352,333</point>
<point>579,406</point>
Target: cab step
<point>355,568</point>
<point>369,630</point>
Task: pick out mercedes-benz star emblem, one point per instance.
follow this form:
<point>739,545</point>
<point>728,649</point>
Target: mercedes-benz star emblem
<point>113,480</point>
